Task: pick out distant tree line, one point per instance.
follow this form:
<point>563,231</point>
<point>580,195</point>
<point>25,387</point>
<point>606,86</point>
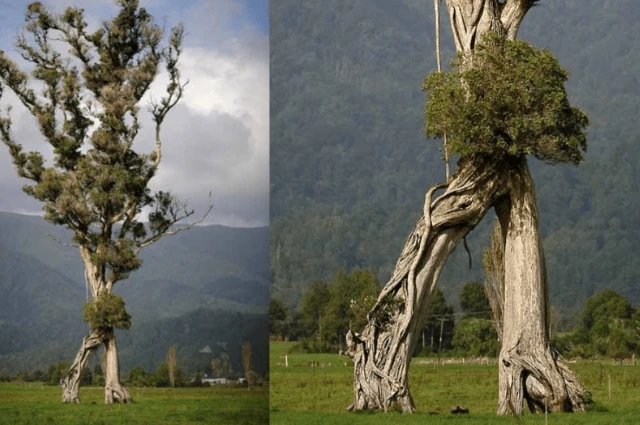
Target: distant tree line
<point>608,326</point>
<point>167,374</point>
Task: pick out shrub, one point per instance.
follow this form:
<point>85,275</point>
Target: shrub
<point>511,101</point>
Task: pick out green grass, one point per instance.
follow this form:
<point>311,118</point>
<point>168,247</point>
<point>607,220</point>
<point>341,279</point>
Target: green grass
<point>301,394</point>
<point>34,403</point>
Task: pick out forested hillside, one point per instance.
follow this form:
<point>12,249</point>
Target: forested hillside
<point>207,286</point>
<point>350,163</point>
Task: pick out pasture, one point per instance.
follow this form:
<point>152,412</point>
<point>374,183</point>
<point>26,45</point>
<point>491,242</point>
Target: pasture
<point>35,403</point>
<point>317,388</point>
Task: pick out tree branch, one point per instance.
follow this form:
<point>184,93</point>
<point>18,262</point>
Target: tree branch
<point>512,14</point>
<point>159,236</point>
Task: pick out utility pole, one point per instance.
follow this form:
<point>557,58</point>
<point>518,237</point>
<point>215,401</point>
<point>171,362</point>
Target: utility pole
<point>442,320</point>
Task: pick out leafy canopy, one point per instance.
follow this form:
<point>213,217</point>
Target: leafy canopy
<point>87,108</point>
<point>508,99</point>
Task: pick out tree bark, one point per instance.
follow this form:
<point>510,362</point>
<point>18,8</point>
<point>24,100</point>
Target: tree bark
<point>70,383</point>
<point>528,370</point>
<point>493,263</point>
<point>114,391</point>
<point>382,353</point>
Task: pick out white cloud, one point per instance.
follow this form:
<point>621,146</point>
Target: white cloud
<point>217,137</point>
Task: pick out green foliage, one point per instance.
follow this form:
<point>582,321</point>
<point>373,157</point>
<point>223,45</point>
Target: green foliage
<point>313,305</point>
<point>56,372</point>
<point>434,329</point>
<point>351,298</point>
<point>107,310</point>
<point>476,337</point>
<point>509,99</point>
<point>610,326</point>
<point>474,301</point>
<point>329,309</point>
<point>138,377</point>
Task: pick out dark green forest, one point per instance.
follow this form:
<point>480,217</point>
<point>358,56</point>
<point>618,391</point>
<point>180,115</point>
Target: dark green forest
<point>350,162</point>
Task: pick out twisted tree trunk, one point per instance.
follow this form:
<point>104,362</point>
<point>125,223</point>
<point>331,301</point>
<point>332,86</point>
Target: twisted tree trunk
<point>70,383</point>
<point>528,369</point>
<point>382,353</point>
<point>114,391</point>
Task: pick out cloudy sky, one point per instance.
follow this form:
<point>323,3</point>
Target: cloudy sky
<point>216,139</point>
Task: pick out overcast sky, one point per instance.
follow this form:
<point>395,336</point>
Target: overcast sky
<point>216,139</point>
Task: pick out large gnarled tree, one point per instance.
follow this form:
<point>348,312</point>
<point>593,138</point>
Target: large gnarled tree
<point>87,106</point>
<point>506,101</point>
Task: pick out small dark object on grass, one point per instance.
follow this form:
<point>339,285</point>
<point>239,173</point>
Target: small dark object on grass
<point>459,410</point>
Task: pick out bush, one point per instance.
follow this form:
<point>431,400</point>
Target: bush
<point>107,311</point>
<point>511,102</point>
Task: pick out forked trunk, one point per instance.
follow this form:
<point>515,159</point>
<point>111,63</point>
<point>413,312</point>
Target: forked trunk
<point>70,383</point>
<point>528,370</point>
<point>114,391</point>
<point>382,353</point>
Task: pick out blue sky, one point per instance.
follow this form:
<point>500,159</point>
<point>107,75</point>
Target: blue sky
<point>217,137</point>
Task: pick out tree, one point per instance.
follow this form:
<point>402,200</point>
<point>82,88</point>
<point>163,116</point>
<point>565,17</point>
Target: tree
<point>97,185</point>
<point>476,337</point>
<point>221,367</point>
<point>313,304</point>
<point>350,298</point>
<point>493,173</point>
<point>474,301</point>
<point>172,363</point>
<point>610,325</point>
<point>278,314</point>
<point>439,325</point>
<point>246,362</point>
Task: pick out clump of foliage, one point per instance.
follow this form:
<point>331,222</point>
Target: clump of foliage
<point>508,99</point>
<point>107,311</point>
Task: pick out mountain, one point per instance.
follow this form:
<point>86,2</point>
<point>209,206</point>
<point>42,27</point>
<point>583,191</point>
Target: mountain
<point>350,164</point>
<point>210,279</point>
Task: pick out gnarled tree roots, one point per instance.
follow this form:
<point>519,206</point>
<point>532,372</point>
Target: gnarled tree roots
<point>540,380</point>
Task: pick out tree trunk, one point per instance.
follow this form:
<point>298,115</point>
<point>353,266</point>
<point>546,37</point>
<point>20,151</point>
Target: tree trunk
<point>528,370</point>
<point>382,353</point>
<point>114,392</point>
<point>70,383</point>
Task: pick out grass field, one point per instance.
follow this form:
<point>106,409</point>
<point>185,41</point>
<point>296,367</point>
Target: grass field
<point>301,394</point>
<point>34,403</point>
